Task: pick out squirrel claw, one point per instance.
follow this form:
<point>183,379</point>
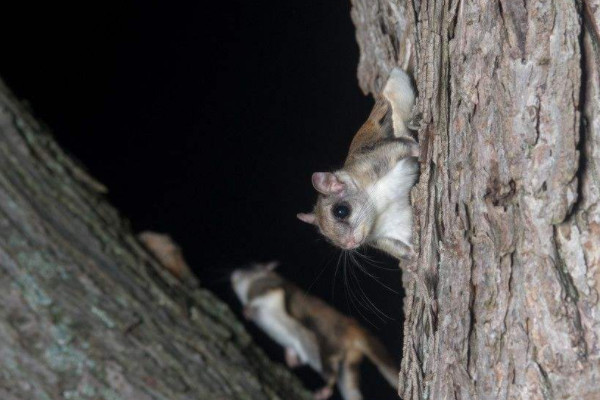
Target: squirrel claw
<point>291,358</point>
<point>249,312</point>
<point>415,123</point>
<point>323,393</point>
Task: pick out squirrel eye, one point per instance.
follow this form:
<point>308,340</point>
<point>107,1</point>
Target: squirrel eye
<point>341,211</point>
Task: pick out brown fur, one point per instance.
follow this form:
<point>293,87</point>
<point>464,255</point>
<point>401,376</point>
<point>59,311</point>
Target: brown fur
<point>167,252</point>
<point>375,143</point>
<point>378,126</point>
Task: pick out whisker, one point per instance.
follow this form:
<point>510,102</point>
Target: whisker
<point>337,268</point>
<point>372,261</point>
<point>364,301</point>
<point>367,257</point>
<point>361,301</point>
<point>349,296</point>
<point>317,277</point>
<point>360,266</point>
<point>374,306</point>
<point>375,278</point>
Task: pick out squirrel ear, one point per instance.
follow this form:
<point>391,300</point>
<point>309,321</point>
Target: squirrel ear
<point>271,265</point>
<point>327,183</point>
<point>308,218</point>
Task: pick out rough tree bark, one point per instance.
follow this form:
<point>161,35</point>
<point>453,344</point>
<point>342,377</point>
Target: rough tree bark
<point>504,300</point>
<point>86,312</point>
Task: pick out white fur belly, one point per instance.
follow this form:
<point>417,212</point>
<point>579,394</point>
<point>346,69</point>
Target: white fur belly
<point>271,323</point>
<point>395,223</point>
<point>390,196</point>
<point>271,316</point>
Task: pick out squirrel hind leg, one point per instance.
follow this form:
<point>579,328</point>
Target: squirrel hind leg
<point>349,380</point>
<point>399,92</point>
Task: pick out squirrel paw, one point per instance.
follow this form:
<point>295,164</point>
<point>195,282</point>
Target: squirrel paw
<point>291,358</point>
<point>324,393</point>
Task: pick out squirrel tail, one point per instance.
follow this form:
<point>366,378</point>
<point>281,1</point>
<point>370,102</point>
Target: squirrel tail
<point>376,352</point>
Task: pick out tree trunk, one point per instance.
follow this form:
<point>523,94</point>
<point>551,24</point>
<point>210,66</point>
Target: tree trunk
<point>503,303</point>
<point>86,312</point>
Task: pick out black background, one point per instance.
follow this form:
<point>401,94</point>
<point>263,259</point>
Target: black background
<point>206,123</point>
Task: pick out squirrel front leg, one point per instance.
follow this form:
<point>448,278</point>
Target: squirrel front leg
<point>349,383</point>
<point>331,368</point>
<point>326,391</point>
<point>394,247</point>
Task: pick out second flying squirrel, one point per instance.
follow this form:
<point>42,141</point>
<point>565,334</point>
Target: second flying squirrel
<point>367,200</point>
<point>311,332</point>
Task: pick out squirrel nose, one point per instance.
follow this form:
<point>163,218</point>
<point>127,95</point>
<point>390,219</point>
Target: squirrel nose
<point>350,243</point>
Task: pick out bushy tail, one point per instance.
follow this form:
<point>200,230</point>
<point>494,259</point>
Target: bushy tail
<point>399,92</point>
<point>376,352</point>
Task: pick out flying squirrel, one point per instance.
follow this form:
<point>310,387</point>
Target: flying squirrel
<point>366,202</point>
<point>312,332</point>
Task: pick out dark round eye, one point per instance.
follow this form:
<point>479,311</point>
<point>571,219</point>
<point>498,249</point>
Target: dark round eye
<point>341,211</point>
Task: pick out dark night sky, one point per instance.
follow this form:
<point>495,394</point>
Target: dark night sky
<point>206,124</point>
